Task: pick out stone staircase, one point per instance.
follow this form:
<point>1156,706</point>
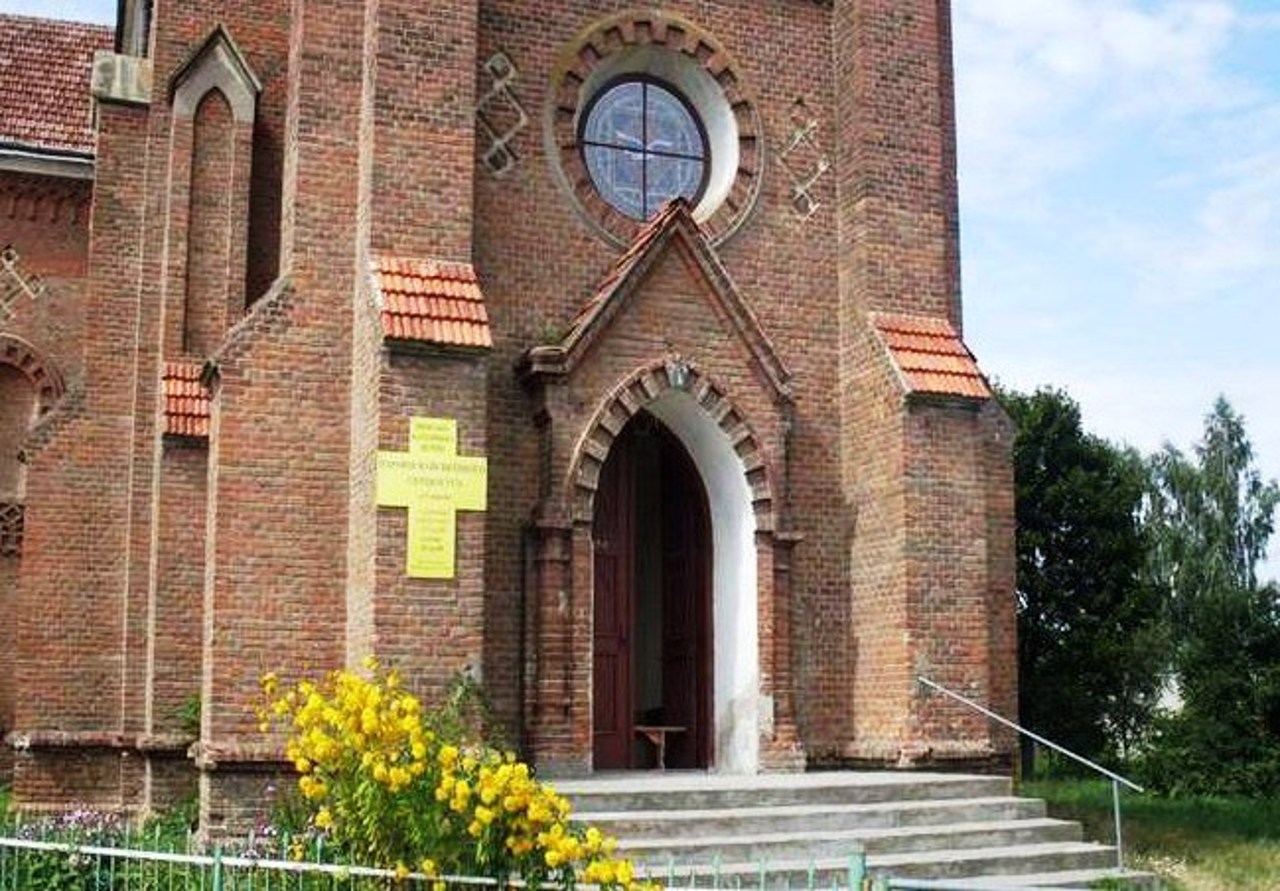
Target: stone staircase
<point>804,830</point>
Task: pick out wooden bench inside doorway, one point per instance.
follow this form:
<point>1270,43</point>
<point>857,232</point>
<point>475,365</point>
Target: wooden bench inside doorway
<point>657,735</point>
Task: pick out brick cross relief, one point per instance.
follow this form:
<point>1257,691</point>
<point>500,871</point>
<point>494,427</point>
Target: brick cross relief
<point>16,283</point>
<point>434,482</point>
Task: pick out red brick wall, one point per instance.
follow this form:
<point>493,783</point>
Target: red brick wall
<point>176,625</point>
<point>282,448</point>
<point>46,220</point>
<point>433,630</point>
<point>8,605</point>
<point>17,411</point>
<point>365,135</point>
<point>73,580</point>
<point>896,158</point>
<point>424,153</point>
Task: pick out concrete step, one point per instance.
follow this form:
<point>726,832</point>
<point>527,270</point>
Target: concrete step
<point>979,866</point>
<point>704,849</point>
<point>1005,860</point>
<point>1055,881</point>
<point>809,830</point>
<point>813,818</point>
<point>680,791</point>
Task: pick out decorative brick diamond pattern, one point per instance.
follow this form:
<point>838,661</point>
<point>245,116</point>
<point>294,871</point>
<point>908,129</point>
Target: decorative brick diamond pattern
<point>805,160</point>
<point>11,516</point>
<point>930,356</point>
<point>500,114</point>
<point>431,301</point>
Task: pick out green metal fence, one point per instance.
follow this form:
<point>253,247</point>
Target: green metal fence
<point>66,866</point>
<point>53,865</point>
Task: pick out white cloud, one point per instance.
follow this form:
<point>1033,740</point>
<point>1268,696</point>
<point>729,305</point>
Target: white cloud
<point>1046,86</point>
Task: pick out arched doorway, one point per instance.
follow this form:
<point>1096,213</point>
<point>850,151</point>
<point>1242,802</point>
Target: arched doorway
<point>653,611</point>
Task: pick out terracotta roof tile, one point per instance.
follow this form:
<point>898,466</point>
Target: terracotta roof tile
<point>186,401</point>
<point>45,66</point>
<point>431,301</point>
<point>930,356</point>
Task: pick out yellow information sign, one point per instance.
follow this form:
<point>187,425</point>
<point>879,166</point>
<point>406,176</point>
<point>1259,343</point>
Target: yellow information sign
<point>434,482</point>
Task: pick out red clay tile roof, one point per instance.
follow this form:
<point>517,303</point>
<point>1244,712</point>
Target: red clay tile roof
<point>45,67</point>
<point>186,401</point>
<point>431,301</point>
<point>930,356</point>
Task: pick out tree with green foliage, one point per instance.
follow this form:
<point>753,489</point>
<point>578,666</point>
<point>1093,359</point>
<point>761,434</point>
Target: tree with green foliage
<point>1211,516</point>
<point>1090,636</point>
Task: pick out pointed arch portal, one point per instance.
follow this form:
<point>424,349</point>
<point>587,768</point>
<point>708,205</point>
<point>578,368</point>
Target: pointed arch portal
<point>675,639</point>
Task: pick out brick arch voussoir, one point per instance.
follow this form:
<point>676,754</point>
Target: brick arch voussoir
<point>632,396</point>
<point>664,29</point>
<point>45,377</point>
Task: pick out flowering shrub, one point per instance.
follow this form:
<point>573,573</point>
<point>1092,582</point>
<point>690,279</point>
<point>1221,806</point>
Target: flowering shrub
<point>387,790</point>
<point>67,870</point>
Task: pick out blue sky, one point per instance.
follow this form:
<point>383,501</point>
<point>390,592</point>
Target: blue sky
<point>1120,201</point>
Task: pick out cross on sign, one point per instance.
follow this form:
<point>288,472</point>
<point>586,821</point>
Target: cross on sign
<point>434,482</point>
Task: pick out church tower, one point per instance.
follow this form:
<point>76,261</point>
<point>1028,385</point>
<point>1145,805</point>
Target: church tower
<point>608,356</point>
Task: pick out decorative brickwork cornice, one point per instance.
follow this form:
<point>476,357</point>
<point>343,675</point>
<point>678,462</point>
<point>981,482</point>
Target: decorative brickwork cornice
<point>42,199</point>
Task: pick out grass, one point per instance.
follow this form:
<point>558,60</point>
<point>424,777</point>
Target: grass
<point>1194,844</point>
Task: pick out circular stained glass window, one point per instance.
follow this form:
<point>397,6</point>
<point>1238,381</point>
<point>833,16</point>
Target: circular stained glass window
<point>643,146</point>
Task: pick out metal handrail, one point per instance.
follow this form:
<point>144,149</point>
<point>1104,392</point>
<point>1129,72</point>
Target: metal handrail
<point>1116,779</point>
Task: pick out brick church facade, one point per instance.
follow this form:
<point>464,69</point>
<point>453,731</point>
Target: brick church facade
<point>683,275</point>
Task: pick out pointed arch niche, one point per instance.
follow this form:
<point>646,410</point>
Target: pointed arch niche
<point>752,723</point>
<point>214,95</point>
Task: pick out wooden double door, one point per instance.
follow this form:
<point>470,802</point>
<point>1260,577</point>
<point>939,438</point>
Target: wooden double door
<point>652,653</point>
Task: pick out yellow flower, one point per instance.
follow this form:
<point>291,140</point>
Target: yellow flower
<point>324,818</point>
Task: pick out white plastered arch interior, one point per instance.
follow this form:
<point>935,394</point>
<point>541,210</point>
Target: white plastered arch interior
<point>735,595</point>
